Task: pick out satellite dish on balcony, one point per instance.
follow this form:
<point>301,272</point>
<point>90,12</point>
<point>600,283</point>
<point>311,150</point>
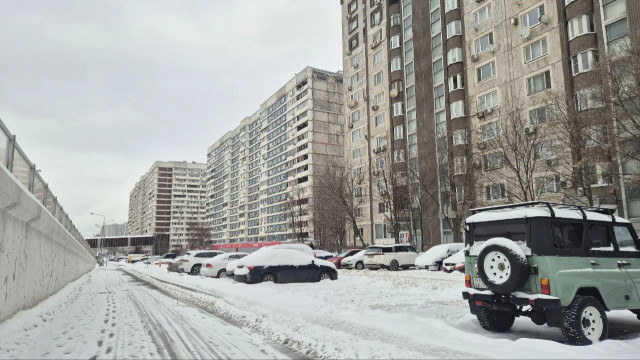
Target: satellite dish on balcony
<point>393,93</point>
<point>525,32</point>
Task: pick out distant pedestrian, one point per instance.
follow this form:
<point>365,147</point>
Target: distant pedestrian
<point>311,246</point>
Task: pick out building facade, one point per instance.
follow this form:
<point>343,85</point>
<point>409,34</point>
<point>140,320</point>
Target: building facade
<point>260,175</point>
<point>168,199</point>
<point>114,230</point>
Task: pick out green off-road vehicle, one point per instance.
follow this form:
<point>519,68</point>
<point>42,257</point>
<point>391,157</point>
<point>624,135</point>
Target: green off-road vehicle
<point>560,265</point>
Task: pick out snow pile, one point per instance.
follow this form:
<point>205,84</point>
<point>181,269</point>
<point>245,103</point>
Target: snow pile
<point>518,247</point>
<point>455,259</point>
<point>279,257</point>
<point>437,253</point>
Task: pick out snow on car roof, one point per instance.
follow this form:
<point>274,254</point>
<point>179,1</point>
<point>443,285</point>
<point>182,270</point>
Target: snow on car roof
<point>535,212</point>
<point>274,257</point>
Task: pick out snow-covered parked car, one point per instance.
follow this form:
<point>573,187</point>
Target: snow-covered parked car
<point>192,262</point>
<point>283,266</point>
<point>454,262</point>
<point>217,266</point>
<point>322,254</point>
<point>392,257</point>
<point>432,258</point>
<point>231,266</point>
<point>355,261</point>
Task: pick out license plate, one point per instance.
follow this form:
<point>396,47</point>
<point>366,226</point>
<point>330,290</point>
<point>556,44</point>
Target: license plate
<point>478,283</point>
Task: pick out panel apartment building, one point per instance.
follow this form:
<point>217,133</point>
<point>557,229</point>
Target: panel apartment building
<point>482,79</point>
<point>167,199</point>
<point>256,170</point>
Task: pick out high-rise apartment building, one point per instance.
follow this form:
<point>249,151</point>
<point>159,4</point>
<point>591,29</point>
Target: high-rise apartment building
<point>260,175</point>
<point>114,230</point>
<point>168,199</point>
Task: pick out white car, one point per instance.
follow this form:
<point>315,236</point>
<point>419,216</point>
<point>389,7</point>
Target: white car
<point>192,263</point>
<point>392,257</point>
<point>454,262</point>
<point>355,261</point>
<point>432,258</point>
<point>217,266</point>
<point>231,266</point>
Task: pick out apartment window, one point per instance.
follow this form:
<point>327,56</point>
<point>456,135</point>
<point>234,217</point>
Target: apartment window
<point>355,135</point>
<point>356,153</point>
<point>411,121</point>
<point>355,116</point>
<point>483,14</point>
<point>408,50</point>
<point>378,78</point>
<point>377,57</point>
<point>399,155</point>
<point>493,161</point>
<point>451,4</point>
<point>490,131</point>
<point>353,42</point>
<point>381,141</point>
<point>539,83</point>
<point>358,212</point>
<point>457,109</point>
<point>580,25</point>
<point>543,150</point>
<point>535,50</point>
<point>408,27</point>
<point>396,63</point>
<point>377,36</point>
<point>382,208</point>
<point>397,86</point>
<point>541,115</point>
<point>438,71</point>
<point>486,71</point>
<point>379,98</point>
<point>488,101</point>
<point>435,22</point>
<point>587,99</point>
<point>532,18</point>
<point>353,6</point>
<point>438,97</point>
<point>484,43</point>
<point>460,137</point>
<point>456,82</point>
<point>376,17</point>
<point>395,41</point>
<point>459,195</point>
<point>436,46</point>
<point>379,119</point>
<point>355,96</point>
<point>411,92</point>
<point>357,192</point>
<point>355,61</point>
<point>353,23</point>
<point>381,163</point>
<point>454,55</point>
<point>397,109</point>
<point>398,132</point>
<point>583,62</point>
<point>441,124</point>
<point>459,165</point>
<point>548,184</point>
<point>617,34</point>
<point>454,28</point>
<point>614,9</point>
<point>355,78</point>
<point>495,192</point>
<point>396,19</point>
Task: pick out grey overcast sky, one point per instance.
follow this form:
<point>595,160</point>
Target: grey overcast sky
<point>98,90</point>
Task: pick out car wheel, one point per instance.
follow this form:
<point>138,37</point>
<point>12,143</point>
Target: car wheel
<point>324,276</point>
<point>222,274</point>
<point>502,270</point>
<point>495,320</point>
<point>584,321</point>
<point>180,271</point>
<point>393,266</point>
<point>268,278</point>
<point>359,265</point>
<point>195,270</point>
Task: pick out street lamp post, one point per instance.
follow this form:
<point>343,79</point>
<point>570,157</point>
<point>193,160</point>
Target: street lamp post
<point>104,220</point>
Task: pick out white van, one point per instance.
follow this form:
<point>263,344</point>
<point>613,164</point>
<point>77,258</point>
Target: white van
<point>392,257</point>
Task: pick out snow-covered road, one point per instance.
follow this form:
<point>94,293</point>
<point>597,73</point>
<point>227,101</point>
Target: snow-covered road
<point>143,311</point>
<point>111,314</point>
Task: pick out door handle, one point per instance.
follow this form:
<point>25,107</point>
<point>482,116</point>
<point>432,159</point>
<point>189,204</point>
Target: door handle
<point>594,263</point>
<point>623,263</point>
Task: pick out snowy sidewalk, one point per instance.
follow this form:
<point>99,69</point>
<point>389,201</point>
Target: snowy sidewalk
<point>110,314</point>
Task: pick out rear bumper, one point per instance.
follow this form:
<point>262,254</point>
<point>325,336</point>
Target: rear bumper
<point>488,299</point>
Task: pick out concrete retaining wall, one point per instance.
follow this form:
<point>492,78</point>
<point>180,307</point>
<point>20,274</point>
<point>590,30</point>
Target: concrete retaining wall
<point>37,255</point>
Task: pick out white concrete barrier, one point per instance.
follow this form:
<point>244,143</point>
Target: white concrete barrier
<point>37,255</point>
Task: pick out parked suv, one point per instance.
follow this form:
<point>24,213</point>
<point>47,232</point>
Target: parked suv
<point>192,262</point>
<point>392,257</point>
<point>560,265</point>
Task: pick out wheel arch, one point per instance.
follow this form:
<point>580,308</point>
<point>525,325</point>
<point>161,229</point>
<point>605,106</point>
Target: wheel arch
<point>591,291</point>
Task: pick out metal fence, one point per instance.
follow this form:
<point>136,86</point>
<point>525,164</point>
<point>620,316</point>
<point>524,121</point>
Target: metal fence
<point>17,162</point>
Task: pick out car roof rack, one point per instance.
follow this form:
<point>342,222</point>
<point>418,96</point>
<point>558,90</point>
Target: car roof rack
<point>551,206</point>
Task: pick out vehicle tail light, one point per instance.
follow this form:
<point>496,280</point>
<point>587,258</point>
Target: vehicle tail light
<point>544,284</point>
<point>467,280</point>
<point>209,265</point>
<point>479,303</point>
<point>250,267</point>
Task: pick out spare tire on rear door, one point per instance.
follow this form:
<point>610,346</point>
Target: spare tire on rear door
<point>502,265</point>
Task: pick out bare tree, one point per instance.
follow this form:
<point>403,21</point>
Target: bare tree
<point>297,212</point>
<point>392,193</point>
<point>198,234</point>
